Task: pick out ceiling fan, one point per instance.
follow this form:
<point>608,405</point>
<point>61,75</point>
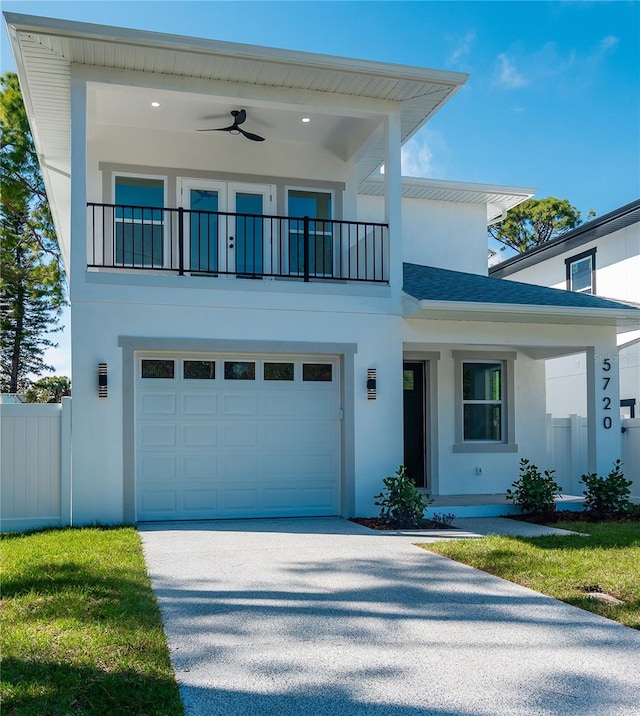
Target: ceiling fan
<point>239,117</point>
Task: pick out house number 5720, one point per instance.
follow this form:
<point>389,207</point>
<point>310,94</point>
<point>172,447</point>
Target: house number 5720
<point>606,368</point>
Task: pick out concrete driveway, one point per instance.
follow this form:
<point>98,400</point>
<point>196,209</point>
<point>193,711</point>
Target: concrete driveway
<point>324,617</point>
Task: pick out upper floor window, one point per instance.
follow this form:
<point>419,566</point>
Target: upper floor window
<point>317,205</point>
<point>139,221</point>
<point>581,272</point>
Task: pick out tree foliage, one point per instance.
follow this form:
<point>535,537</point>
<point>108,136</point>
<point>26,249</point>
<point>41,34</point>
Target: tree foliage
<point>31,274</point>
<point>534,222</point>
<point>50,389</point>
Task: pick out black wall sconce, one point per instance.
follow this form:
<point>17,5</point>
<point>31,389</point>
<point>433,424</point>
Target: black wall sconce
<point>102,380</point>
<point>372,381</point>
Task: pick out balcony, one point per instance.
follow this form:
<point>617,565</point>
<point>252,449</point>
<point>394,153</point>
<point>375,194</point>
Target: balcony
<point>213,243</point>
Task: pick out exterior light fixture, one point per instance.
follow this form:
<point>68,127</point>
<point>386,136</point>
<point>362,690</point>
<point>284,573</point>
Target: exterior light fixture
<point>372,381</point>
<point>155,104</point>
<point>306,120</point>
<point>102,380</point>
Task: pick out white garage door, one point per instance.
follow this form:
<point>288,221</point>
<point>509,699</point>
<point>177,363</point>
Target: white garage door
<point>236,436</point>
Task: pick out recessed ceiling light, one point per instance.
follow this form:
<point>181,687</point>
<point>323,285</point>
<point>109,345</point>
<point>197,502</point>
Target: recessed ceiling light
<point>306,119</point>
<point>155,104</point>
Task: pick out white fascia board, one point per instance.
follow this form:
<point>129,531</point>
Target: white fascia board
<point>511,313</point>
<point>46,178</point>
<point>118,35</point>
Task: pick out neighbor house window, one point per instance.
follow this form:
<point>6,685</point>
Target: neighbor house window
<point>139,221</point>
<point>484,409</point>
<point>317,206</point>
<point>581,272</point>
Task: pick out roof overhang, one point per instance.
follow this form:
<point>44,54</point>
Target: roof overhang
<point>497,199</point>
<point>519,313</point>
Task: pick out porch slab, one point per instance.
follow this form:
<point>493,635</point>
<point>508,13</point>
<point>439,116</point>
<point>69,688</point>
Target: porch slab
<point>491,505</point>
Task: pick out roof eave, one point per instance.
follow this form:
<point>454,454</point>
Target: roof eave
<point>521,313</point>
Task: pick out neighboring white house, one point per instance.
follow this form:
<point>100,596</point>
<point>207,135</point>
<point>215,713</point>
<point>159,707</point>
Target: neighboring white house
<point>601,257</point>
<point>269,328</point>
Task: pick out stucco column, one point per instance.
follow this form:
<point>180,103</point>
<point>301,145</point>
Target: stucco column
<point>603,407</point>
<point>393,199</point>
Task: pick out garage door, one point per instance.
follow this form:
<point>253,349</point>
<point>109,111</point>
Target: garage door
<point>236,436</point>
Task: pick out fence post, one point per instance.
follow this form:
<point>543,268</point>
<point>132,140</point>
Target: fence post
<point>575,442</point>
<point>306,239</point>
<point>66,512</point>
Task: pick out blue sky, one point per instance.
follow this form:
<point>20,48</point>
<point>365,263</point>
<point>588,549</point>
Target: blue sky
<point>553,101</point>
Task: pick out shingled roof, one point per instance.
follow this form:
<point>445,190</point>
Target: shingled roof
<point>426,283</point>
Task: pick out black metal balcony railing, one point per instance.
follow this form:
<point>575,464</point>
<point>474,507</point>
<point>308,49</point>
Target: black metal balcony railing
<point>212,243</point>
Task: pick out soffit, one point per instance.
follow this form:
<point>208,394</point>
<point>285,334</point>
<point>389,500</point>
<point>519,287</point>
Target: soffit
<point>498,199</point>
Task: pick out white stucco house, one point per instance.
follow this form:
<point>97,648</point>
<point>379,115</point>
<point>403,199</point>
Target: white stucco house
<point>599,258</point>
<point>269,328</point>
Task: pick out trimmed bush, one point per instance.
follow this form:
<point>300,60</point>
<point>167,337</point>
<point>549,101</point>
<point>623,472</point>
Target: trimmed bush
<point>607,496</point>
<point>534,492</point>
<point>401,504</point>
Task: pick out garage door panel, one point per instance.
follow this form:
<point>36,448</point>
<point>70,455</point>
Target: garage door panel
<point>159,501</point>
<point>311,436</point>
<point>278,465</point>
<point>199,404</point>
<point>201,435</point>
<point>226,448</point>
<point>239,466</point>
<point>200,467</point>
<point>200,500</point>
<point>158,403</point>
<point>278,404</point>
<point>246,499</point>
<point>158,435</point>
<point>280,498</point>
<point>318,497</point>
<point>156,468</point>
<point>241,404</point>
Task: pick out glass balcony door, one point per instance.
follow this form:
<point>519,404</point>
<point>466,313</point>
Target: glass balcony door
<point>224,229</point>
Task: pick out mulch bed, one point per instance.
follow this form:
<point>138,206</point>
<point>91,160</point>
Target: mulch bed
<point>545,518</point>
<point>378,523</point>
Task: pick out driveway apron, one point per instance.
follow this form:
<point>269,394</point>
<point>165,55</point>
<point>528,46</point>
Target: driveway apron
<point>322,616</point>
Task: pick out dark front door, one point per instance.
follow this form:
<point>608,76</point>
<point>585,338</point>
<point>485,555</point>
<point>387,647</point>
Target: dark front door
<point>413,380</point>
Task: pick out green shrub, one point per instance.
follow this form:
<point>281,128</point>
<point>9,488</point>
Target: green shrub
<point>607,496</point>
<point>401,504</point>
<point>534,492</point>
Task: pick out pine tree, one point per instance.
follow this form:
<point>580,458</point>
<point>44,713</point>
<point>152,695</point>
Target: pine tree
<point>31,274</point>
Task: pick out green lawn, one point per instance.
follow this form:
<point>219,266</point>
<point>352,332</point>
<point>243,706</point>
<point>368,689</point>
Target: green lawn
<point>81,630</point>
<point>608,560</point>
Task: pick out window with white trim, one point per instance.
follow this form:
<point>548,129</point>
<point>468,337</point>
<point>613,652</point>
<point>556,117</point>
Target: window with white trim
<point>482,407</point>
<point>484,401</point>
<point>139,221</point>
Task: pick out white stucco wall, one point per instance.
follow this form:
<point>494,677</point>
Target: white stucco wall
<point>449,235</point>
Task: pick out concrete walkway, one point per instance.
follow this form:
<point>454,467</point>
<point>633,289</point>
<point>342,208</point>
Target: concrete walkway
<point>324,617</point>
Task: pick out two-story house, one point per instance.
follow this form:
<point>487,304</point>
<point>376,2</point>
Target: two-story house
<point>263,323</point>
<point>601,257</point>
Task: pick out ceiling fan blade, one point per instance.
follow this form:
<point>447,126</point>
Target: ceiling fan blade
<point>240,116</point>
<point>249,135</point>
<point>219,129</point>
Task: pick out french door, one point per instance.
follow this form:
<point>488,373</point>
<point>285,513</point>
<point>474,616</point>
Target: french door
<point>225,231</point>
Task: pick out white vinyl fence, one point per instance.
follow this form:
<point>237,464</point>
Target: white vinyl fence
<point>567,452</point>
<point>35,465</point>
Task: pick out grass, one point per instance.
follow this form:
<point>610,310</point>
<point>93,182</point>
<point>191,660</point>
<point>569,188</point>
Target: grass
<point>565,567</point>
<point>81,630</point>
